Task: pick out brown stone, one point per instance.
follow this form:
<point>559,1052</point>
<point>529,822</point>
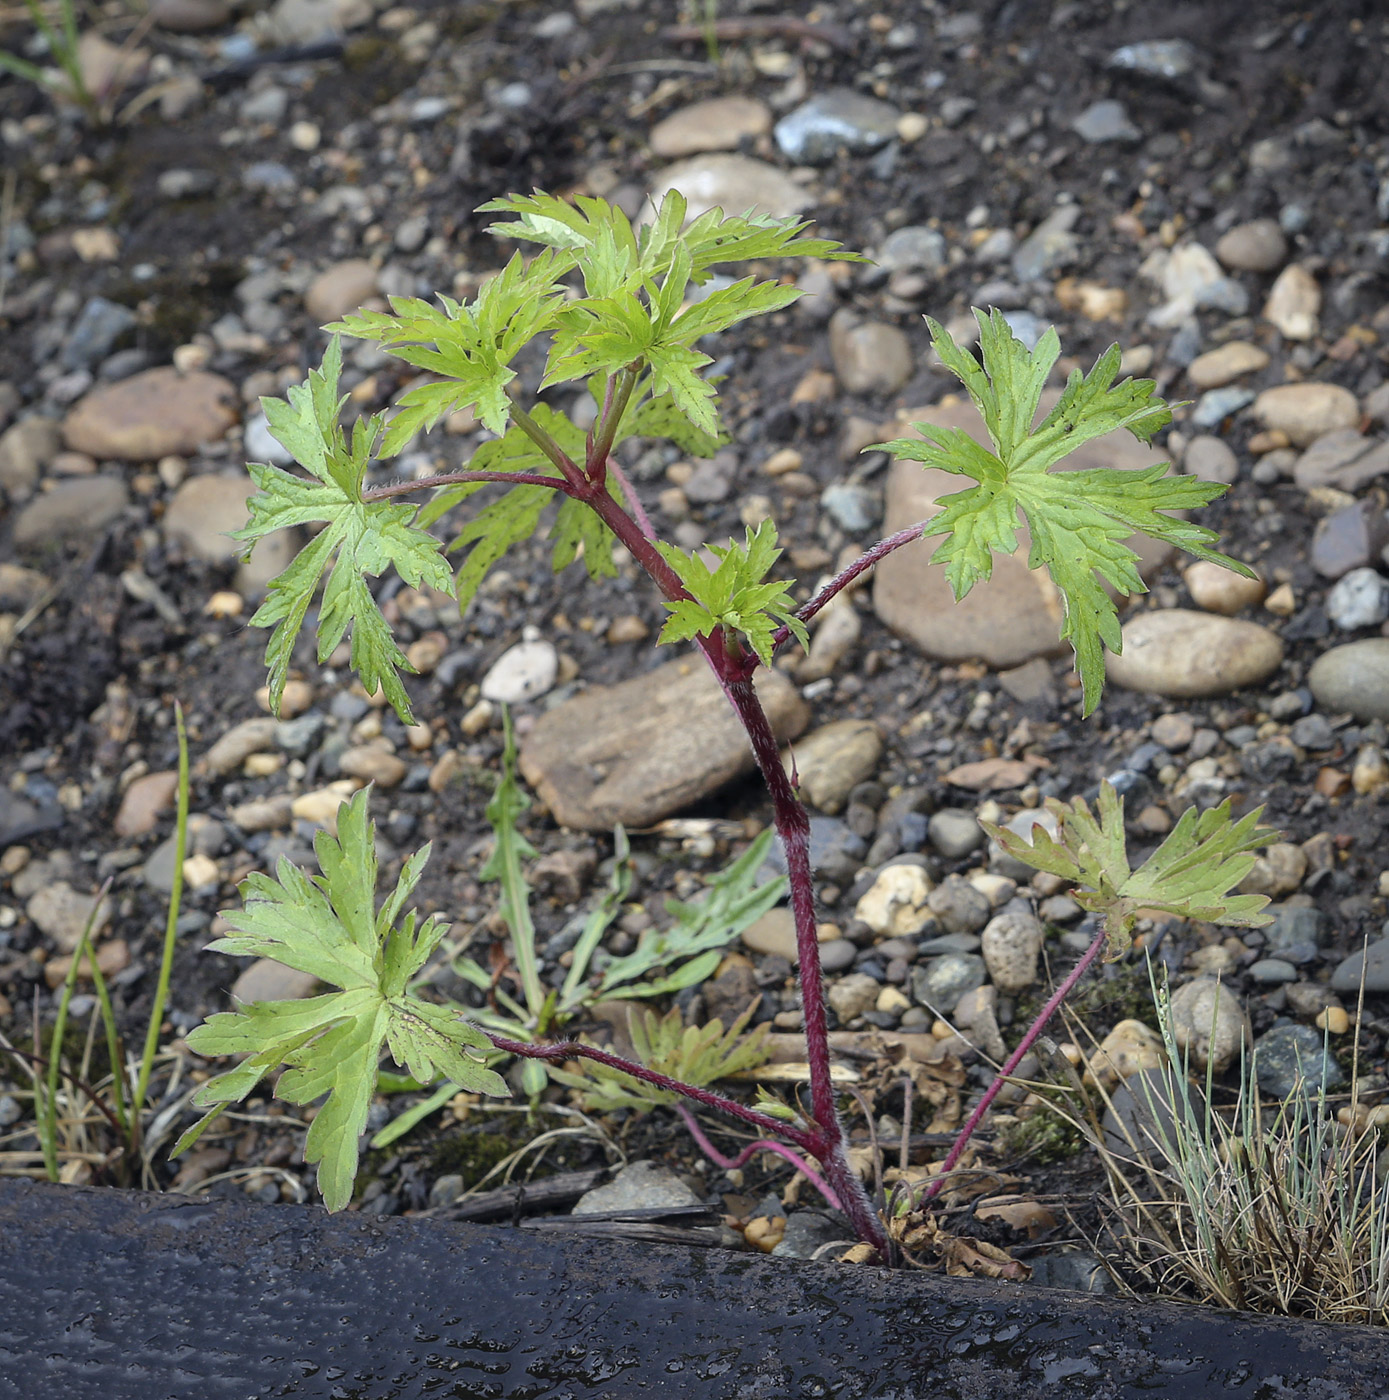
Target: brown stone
<point>639,751</point>
<point>143,801</point>
<point>1017,613</point>
<point>152,415</point>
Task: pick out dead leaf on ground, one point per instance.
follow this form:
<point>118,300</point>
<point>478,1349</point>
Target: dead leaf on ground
<point>966,1258</point>
<point>1020,1212</point>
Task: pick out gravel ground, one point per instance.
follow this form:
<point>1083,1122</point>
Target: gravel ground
<point>1209,187</point>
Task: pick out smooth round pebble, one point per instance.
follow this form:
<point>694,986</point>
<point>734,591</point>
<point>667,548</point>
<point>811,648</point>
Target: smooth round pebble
<point>1257,246</point>
<point>1306,412</point>
<point>1353,679</point>
<point>1189,655</point>
<point>1220,590</point>
<point>523,672</point>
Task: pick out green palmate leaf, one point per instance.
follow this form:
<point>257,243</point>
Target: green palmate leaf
<point>1205,856</point>
<point>733,595</point>
<point>332,1044</point>
<point>359,539</point>
<point>1079,521</point>
<point>697,1055</point>
<point>471,345</point>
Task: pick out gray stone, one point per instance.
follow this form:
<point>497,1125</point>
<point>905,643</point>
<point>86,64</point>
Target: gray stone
<point>99,325</point>
<point>836,853</point>
<point>1359,599</point>
<point>834,122</point>
<point>1272,972</point>
<point>646,748</point>
<point>445,1191</point>
<point>941,982</point>
<point>26,449</point>
<point>833,759</point>
<point>522,673</point>
<point>268,980</point>
<point>719,124</point>
<point>852,507</point>
<point>1345,460</point>
<point>1171,60</point>
<point>1371,962</point>
<point>808,1231</point>
<point>870,357</point>
<point>1071,1268</point>
<point>1211,459</point>
<point>1104,121</point>
<point>1050,246</point>
<point>181,183</point>
<point>72,510</point>
<point>954,832</point>
<point>1011,944</point>
<point>1306,411</point>
<point>1256,246</point>
<point>1353,679</point>
<point>1289,1055</point>
<point>914,247</point>
<point>642,1185</point>
<point>712,480</point>
<point>958,906</point>
<point>1350,538</point>
<point>203,513</point>
<point>1208,1023</point>
<point>1026,328</point>
<point>1141,1112</point>
<point>61,913</point>
<point>1215,406</point>
<point>1295,933</point>
<point>851,996</point>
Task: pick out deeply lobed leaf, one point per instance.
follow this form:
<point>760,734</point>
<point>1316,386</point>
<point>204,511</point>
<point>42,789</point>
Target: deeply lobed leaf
<point>332,1044</point>
<point>1205,856</point>
<point>1078,520</point>
<point>359,539</point>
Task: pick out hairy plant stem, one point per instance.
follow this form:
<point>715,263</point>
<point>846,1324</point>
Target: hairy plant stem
<point>845,577</point>
<point>731,1164</point>
<point>463,478</point>
<point>1013,1060</point>
<point>577,1050</point>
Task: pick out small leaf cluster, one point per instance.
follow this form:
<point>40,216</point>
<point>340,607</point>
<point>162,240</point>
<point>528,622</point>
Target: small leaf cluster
<point>332,1044</point>
<point>697,1055</point>
<point>1205,856</point>
<point>734,596</point>
<point>1078,520</point>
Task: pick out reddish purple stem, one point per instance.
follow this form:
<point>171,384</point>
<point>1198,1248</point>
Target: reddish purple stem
<point>576,1049</point>
<point>1011,1063</point>
<point>842,580</point>
<point>731,1164</point>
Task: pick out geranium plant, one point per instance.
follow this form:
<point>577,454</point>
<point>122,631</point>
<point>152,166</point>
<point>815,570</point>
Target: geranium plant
<point>623,311</point>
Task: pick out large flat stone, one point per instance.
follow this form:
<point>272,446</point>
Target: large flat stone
<point>1016,614</point>
<point>636,752</point>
